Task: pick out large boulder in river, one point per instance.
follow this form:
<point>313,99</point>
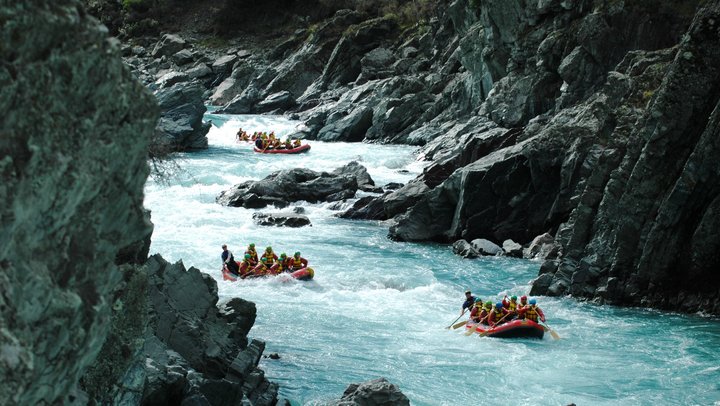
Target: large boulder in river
<point>486,247</point>
<point>292,185</point>
<point>281,220</point>
<point>464,249</point>
<point>377,392</point>
<point>74,134</point>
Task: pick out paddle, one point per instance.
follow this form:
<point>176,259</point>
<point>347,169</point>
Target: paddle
<point>471,329</point>
<point>552,332</point>
<point>458,325</point>
<point>453,323</point>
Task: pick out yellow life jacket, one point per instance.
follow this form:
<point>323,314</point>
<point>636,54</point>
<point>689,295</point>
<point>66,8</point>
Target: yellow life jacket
<point>531,313</point>
<point>495,316</point>
<point>297,263</point>
<point>267,260</point>
<point>512,306</point>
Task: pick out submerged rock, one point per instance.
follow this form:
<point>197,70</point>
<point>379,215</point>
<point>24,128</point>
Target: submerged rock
<point>281,220</point>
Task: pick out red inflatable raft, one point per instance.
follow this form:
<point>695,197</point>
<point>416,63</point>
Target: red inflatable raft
<point>304,274</point>
<point>511,329</point>
<point>296,150</point>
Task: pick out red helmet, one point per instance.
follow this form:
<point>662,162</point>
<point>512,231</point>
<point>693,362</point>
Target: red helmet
<point>523,298</point>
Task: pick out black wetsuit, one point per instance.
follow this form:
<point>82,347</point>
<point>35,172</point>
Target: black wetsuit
<point>231,264</point>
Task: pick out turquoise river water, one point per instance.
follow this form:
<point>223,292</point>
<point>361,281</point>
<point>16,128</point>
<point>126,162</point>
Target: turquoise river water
<point>380,308</point>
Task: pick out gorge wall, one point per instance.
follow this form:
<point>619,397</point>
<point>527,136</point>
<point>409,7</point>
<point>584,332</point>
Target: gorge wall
<point>73,148</point>
<point>590,120</point>
<point>582,119</point>
<point>596,121</point>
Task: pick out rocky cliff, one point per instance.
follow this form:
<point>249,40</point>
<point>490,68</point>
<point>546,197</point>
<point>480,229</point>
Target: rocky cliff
<point>73,148</point>
<point>589,120</point>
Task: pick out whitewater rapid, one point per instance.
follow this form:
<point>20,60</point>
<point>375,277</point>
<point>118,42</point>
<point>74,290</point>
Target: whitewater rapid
<point>380,308</point>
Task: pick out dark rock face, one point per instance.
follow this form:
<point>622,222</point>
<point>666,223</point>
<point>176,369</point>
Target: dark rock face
<point>378,392</point>
<point>651,215</point>
<point>73,145</point>
<point>181,125</point>
<point>283,187</point>
<point>171,343</point>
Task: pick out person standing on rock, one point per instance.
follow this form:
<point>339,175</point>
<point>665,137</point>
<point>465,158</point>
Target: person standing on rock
<point>468,303</point>
<point>229,260</point>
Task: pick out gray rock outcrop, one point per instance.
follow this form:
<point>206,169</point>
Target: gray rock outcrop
<point>74,135</point>
<point>286,186</point>
<point>170,342</point>
<point>651,205</point>
<point>377,392</point>
<point>181,126</point>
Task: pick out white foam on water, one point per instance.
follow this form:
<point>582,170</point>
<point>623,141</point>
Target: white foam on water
<point>380,308</point>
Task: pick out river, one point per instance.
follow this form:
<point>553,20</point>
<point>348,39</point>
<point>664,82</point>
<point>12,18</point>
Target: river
<point>380,308</point>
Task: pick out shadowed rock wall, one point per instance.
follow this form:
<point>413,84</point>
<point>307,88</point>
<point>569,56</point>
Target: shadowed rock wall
<point>73,145</point>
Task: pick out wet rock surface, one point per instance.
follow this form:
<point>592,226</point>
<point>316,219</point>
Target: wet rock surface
<point>281,220</point>
<point>283,187</point>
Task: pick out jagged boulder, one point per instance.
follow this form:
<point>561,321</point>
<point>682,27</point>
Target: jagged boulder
<point>465,249</point>
<point>181,125</point>
<point>366,208</point>
<point>350,128</point>
<point>543,247</point>
<point>377,392</point>
<point>75,130</point>
<point>282,100</point>
<point>512,249</point>
<point>652,198</point>
<point>168,45</point>
<point>170,78</point>
<point>360,173</point>
<point>282,187</point>
<point>170,342</point>
<point>486,247</point>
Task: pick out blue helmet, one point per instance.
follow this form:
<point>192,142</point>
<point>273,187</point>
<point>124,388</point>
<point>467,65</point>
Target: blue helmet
<point>478,300</point>
<point>532,301</point>
<point>498,305</point>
